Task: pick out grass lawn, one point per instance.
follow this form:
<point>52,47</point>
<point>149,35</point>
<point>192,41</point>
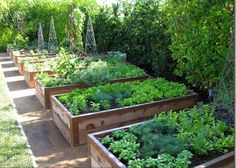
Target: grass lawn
<point>13,149</point>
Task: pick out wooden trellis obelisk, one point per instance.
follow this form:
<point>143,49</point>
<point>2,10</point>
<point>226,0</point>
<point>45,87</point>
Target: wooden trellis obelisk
<point>71,33</point>
<point>19,23</point>
<point>224,92</point>
<point>52,41</point>
<point>90,45</point>
<point>40,37</point>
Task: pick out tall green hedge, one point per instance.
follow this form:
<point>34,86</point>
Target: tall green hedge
<point>190,37</point>
<point>200,33</point>
<point>137,30</point>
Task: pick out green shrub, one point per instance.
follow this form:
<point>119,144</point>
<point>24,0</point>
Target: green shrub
<point>7,36</point>
<point>206,134</point>
<point>200,33</point>
<point>137,30</point>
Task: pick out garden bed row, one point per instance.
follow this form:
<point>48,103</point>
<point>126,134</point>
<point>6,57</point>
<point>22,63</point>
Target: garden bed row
<point>80,110</point>
<point>90,72</point>
<point>75,125</point>
<point>24,59</point>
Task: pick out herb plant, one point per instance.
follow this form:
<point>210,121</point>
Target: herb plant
<point>90,71</point>
<point>41,56</point>
<point>205,134</point>
<point>41,66</point>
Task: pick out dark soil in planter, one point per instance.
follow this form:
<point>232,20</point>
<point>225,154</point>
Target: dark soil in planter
<point>197,160</point>
<point>224,115</point>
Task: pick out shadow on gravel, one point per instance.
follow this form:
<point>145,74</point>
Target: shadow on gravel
<point>11,73</point>
<point>27,104</point>
<point>4,59</point>
<point>9,65</point>
<point>17,85</point>
<point>50,146</point>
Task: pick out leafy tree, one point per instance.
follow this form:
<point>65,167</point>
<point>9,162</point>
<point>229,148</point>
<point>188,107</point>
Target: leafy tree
<point>138,30</point>
<point>200,32</point>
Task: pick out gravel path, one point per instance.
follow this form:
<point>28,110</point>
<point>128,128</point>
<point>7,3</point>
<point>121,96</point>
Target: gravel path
<point>48,146</point>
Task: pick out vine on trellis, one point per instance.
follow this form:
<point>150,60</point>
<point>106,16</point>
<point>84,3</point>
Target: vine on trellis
<point>71,33</point>
<point>40,37</point>
<point>224,92</point>
<point>90,45</point>
<point>19,23</point>
<point>52,41</point>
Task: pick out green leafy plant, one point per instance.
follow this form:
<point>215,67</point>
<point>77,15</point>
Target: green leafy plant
<point>39,57</point>
<point>123,94</point>
<point>126,147</point>
<point>79,104</point>
<point>65,64</point>
<point>160,132</point>
<point>107,140</point>
<point>90,71</point>
<point>162,142</point>
<point>41,66</point>
<point>205,134</point>
<point>200,33</point>
<point>163,160</point>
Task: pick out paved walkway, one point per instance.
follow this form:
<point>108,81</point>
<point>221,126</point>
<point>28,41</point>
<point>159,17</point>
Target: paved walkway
<point>49,147</point>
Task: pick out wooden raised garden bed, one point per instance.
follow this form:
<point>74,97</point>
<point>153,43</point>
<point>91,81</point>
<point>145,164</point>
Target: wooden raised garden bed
<point>76,128</point>
<point>101,157</point>
<point>21,66</point>
<point>44,93</point>
<point>26,54</point>
<point>9,52</point>
<point>15,57</point>
<point>29,77</point>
